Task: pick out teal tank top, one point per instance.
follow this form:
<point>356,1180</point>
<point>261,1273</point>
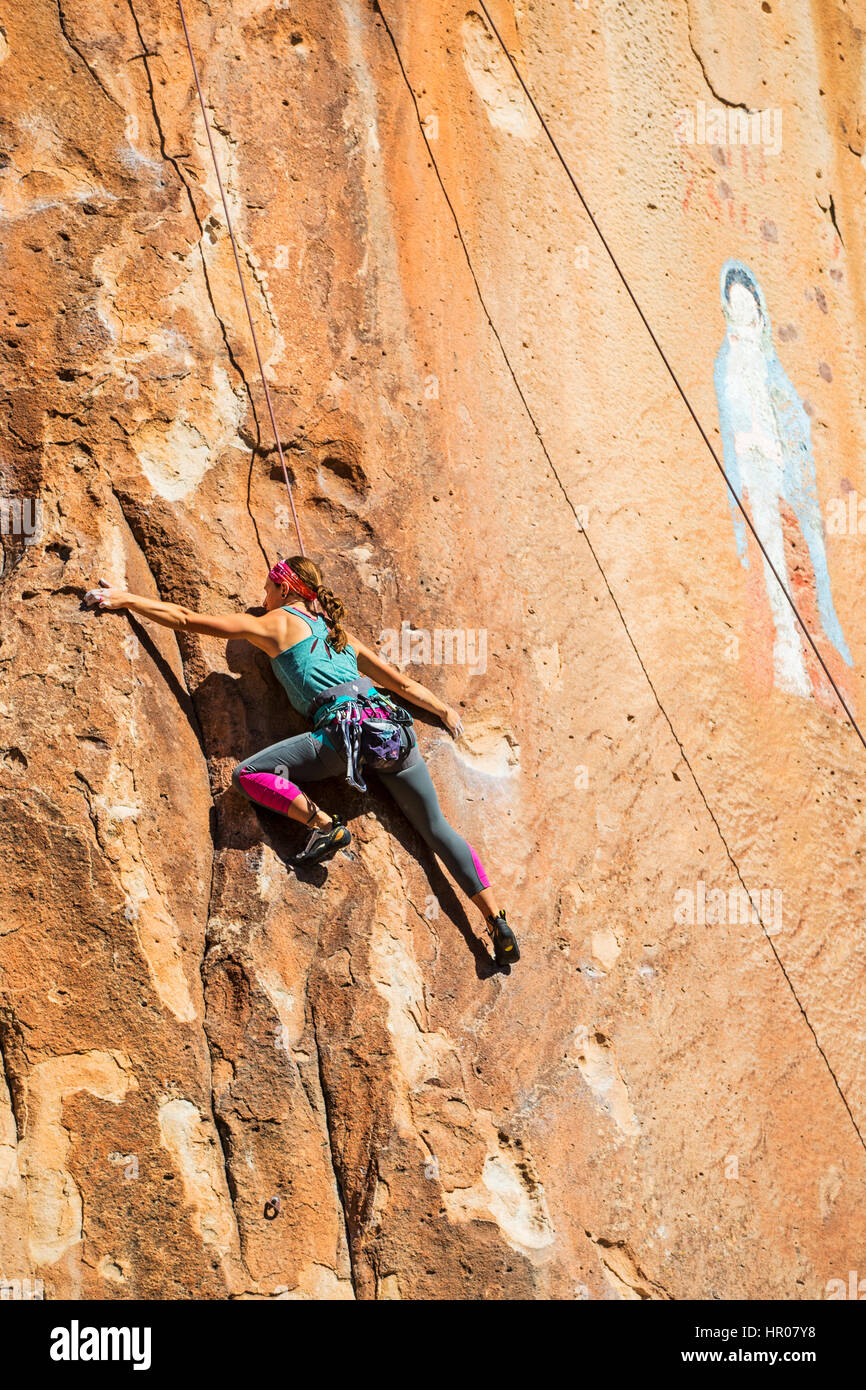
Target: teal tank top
<point>312,665</point>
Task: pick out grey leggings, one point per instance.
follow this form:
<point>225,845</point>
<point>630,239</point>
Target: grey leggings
<point>268,778</point>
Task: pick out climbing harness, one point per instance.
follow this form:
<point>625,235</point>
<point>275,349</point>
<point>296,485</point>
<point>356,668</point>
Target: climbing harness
<point>374,732</point>
<point>240,275</point>
<point>361,688</point>
<point>382,744</point>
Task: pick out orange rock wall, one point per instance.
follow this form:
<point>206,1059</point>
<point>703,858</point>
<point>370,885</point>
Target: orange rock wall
<point>482,438</point>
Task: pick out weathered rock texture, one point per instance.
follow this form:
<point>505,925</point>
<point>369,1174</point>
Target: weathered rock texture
<point>645,1108</point>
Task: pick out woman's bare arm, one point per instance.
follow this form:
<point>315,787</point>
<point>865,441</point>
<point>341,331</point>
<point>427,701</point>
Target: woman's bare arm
<point>261,631</point>
<point>384,674</point>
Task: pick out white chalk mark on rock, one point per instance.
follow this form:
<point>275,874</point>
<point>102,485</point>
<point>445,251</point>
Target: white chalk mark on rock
<point>596,1061</point>
<point>493,79</point>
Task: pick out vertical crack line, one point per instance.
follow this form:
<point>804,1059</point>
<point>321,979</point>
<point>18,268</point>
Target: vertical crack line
<point>524,402</point>
<point>734,105</point>
<point>173,160</point>
<point>77,51</point>
<point>336,1165</point>
<point>225,1142</point>
<point>830,211</point>
<point>180,689</point>
<point>14,1084</point>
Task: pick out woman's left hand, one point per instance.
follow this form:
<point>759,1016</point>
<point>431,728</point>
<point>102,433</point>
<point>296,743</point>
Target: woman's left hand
<point>105,597</point>
<point>453,722</point>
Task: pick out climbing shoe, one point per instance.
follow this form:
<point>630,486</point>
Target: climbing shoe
<point>324,842</point>
<point>505,947</point>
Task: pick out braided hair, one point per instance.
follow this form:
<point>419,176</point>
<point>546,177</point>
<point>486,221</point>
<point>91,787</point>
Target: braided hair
<point>331,606</point>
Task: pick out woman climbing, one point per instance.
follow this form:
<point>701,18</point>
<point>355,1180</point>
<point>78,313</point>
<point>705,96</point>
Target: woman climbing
<point>322,668</point>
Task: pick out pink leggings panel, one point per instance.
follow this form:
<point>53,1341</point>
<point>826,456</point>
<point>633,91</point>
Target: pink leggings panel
<point>479,868</point>
<point>269,789</point>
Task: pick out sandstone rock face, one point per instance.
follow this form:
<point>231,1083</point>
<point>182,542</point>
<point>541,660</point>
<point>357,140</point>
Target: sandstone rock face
<point>665,1099</point>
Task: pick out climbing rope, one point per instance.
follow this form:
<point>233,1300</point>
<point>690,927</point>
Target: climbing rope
<point>240,274</point>
<point>661,352</point>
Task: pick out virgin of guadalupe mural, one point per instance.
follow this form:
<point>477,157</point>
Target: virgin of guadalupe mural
<point>768,458</point>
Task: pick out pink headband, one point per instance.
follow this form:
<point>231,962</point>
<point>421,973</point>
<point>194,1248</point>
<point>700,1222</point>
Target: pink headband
<point>284,574</point>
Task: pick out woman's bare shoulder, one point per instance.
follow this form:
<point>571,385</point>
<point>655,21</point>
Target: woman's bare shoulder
<point>285,629</point>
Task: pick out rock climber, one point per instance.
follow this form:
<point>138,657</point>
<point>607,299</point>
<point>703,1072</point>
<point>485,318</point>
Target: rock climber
<point>326,673</point>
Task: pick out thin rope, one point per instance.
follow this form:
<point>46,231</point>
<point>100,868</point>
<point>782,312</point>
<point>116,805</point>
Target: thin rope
<point>670,369</point>
<point>240,275</point>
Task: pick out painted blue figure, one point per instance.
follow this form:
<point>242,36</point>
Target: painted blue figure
<point>768,457</point>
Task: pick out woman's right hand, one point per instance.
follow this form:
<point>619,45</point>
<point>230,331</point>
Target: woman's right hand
<point>105,597</point>
<point>452,721</point>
